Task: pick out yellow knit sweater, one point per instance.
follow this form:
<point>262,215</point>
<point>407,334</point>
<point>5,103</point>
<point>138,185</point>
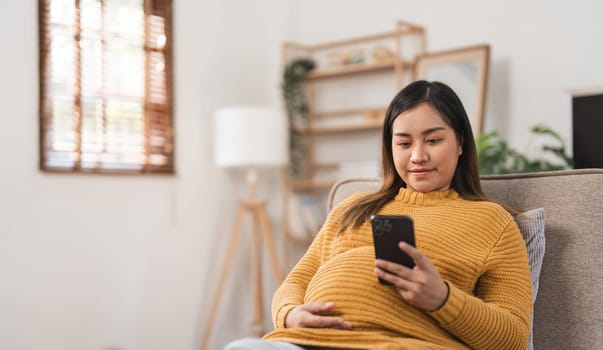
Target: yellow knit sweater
<point>475,245</point>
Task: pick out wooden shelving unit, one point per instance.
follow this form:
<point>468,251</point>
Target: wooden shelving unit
<point>368,125</point>
<point>357,69</point>
<point>365,119</point>
<point>310,185</point>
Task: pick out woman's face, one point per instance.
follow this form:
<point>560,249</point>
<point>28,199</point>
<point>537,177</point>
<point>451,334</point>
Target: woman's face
<point>425,149</point>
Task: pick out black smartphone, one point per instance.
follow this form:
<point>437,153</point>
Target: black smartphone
<point>388,231</point>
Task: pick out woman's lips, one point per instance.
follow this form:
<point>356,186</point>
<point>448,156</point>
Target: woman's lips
<point>421,172</point>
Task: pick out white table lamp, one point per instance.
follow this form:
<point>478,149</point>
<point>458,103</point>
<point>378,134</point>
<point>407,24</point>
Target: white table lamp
<point>249,138</point>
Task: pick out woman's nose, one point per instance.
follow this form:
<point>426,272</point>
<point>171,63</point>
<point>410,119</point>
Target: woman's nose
<point>418,155</point>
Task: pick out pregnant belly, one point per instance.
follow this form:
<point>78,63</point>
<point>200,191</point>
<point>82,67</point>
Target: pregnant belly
<point>349,281</point>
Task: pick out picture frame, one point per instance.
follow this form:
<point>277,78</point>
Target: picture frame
<point>466,71</point>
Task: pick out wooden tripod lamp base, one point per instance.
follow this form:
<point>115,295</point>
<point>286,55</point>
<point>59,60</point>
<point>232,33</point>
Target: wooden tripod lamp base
<point>260,231</point>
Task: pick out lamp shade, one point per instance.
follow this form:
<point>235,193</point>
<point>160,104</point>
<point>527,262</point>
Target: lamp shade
<point>250,137</point>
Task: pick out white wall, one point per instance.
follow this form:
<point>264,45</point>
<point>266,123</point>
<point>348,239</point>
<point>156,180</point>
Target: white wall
<point>540,48</point>
<point>92,262</point>
<point>88,262</point>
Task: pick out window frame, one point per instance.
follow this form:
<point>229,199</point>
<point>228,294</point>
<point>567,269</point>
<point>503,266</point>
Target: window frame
<point>158,118</point>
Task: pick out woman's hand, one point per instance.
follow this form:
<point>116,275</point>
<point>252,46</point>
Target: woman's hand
<point>420,286</point>
<point>311,315</point>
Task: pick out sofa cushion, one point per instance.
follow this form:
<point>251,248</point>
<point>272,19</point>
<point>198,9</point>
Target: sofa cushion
<point>531,225</point>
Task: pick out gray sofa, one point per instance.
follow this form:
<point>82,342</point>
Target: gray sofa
<point>569,308</point>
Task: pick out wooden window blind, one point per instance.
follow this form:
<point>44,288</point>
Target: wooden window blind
<point>106,86</point>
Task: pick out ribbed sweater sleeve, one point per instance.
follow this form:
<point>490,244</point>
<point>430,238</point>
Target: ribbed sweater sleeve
<point>498,317</point>
<point>292,291</point>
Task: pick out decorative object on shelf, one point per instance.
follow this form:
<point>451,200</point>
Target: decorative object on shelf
<point>374,115</point>
<point>307,215</point>
<point>383,54</point>
<point>342,58</point>
<point>466,71</point>
<point>355,56</point>
<point>249,138</point>
<point>359,169</point>
<point>496,157</point>
<point>296,104</point>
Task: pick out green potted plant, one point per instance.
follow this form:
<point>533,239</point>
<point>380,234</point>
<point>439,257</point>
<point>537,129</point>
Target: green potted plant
<point>294,76</point>
<point>496,157</point>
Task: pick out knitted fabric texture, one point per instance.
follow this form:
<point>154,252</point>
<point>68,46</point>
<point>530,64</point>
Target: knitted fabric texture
<point>475,245</point>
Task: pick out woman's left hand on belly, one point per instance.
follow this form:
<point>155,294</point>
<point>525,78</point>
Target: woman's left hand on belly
<point>315,315</point>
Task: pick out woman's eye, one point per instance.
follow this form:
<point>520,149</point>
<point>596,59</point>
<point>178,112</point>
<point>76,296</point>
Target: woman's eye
<point>433,141</point>
<point>404,144</point>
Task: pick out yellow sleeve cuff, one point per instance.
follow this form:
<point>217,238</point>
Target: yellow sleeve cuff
<point>281,315</point>
<point>452,307</point>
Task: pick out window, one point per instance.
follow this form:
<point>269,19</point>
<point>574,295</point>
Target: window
<point>106,86</point>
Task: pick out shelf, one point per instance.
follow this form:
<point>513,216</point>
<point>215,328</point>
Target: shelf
<point>305,185</point>
<point>351,69</point>
<point>336,113</point>
<point>369,125</point>
<point>346,112</point>
<point>324,166</point>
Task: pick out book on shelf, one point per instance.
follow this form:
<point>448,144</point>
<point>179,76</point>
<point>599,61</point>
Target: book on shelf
<point>307,214</point>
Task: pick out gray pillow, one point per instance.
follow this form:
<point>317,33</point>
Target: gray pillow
<point>531,225</point>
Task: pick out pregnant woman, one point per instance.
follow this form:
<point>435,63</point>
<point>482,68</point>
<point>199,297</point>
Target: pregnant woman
<point>470,287</point>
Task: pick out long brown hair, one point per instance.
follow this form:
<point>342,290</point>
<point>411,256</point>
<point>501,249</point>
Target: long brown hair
<point>465,180</point>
